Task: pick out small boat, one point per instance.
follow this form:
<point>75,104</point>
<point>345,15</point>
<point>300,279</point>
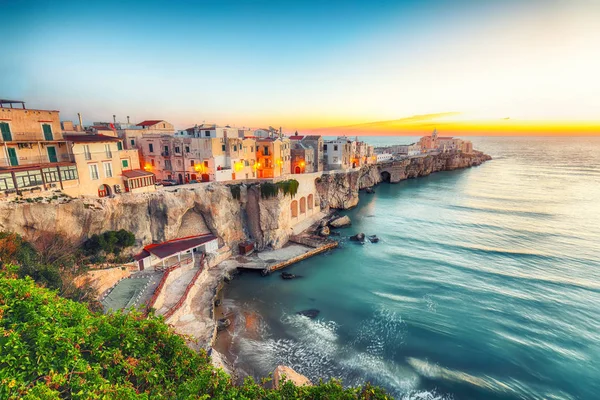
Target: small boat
<point>373,238</point>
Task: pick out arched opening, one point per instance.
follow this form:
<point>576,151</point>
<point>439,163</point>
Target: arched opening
<point>311,201</point>
<point>297,170</point>
<point>205,177</point>
<point>303,205</point>
<point>294,208</point>
<point>103,190</point>
<point>194,177</point>
<point>180,179</point>
<point>385,176</point>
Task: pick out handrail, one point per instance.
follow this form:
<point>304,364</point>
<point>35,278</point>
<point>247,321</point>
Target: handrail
<point>183,298</point>
<point>160,286</point>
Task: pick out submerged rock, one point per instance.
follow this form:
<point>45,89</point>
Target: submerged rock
<point>359,237</point>
<point>369,190</point>
<point>340,222</point>
<point>287,275</point>
<point>373,238</point>
<point>312,313</point>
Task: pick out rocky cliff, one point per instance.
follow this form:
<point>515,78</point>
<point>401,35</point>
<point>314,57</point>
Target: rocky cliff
<point>152,217</point>
<point>164,215</point>
<point>340,190</point>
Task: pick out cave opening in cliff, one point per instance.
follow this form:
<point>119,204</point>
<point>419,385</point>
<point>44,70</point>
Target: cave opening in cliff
<point>385,176</point>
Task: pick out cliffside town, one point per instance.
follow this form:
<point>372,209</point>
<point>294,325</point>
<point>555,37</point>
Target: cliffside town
<point>211,207</point>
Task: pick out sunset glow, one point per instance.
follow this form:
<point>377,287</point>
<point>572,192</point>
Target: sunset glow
<point>500,67</point>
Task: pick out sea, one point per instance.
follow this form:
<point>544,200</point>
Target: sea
<point>485,284</point>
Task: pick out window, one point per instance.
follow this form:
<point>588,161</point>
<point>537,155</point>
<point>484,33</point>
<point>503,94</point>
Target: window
<point>86,152</point>
<point>47,129</point>
<point>234,147</point>
<point>132,142</point>
<point>6,181</point>
<point>206,164</point>
<point>187,149</point>
<point>335,147</point>
<point>324,147</point>
<point>151,147</point>
<point>222,147</point>
<point>28,178</point>
<point>266,150</point>
<point>119,145</point>
<point>50,174</point>
<point>192,163</point>
<point>177,150</point>
<point>207,133</point>
<point>107,151</point>
<point>68,173</point>
<point>6,134</point>
<point>152,162</point>
<point>108,170</point>
<point>168,165</point>
<point>164,125</point>
<point>335,159</point>
<point>93,171</point>
<point>125,163</point>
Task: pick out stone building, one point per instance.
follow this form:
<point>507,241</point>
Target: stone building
<point>273,157</point>
<point>338,153</point>
<point>35,155</point>
<point>105,168</point>
<point>303,158</point>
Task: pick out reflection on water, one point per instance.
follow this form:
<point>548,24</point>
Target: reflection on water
<point>485,284</point>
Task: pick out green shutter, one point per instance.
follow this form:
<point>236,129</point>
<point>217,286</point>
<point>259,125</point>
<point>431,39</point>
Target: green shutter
<point>5,128</point>
<point>12,156</point>
<point>52,154</point>
<point>120,145</point>
<point>47,131</point>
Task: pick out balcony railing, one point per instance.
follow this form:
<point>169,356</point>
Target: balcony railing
<point>165,154</point>
<point>19,161</point>
<point>30,137</point>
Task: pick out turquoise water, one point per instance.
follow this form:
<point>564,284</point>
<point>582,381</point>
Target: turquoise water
<point>485,284</point>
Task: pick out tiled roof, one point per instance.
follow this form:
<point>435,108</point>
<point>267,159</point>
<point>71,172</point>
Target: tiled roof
<point>312,137</point>
<point>149,122</point>
<point>296,137</point>
<point>172,247</point>
<point>136,173</point>
<point>90,138</point>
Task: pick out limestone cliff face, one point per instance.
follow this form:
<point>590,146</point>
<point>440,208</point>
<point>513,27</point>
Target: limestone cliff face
<point>152,217</point>
<point>340,190</point>
<point>165,215</point>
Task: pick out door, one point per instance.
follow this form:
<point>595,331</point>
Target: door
<point>12,157</point>
<point>52,154</point>
<point>47,131</point>
<point>5,128</point>
<point>180,179</point>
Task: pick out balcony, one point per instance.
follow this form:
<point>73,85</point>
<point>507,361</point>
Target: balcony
<point>15,137</point>
<point>35,160</point>
<point>165,154</point>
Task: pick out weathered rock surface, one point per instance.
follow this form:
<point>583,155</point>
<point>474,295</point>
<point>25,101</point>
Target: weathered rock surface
<point>340,222</point>
<point>340,190</point>
<point>324,231</point>
<point>359,237</point>
<point>290,375</point>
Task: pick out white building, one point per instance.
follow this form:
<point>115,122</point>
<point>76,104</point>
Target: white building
<point>338,153</point>
<point>382,157</point>
<point>175,251</point>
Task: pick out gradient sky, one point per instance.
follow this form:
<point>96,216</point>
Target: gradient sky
<point>469,66</point>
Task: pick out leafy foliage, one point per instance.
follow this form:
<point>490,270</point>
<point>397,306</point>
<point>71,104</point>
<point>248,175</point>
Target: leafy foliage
<point>55,348</point>
<point>236,191</point>
<point>268,189</point>
<point>111,242</point>
<point>50,265</point>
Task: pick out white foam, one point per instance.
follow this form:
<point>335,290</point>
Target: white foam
<point>395,297</point>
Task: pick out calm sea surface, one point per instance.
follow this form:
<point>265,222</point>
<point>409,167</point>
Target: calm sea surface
<point>485,284</point>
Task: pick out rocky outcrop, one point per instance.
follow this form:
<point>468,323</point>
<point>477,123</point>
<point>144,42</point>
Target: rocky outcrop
<point>152,217</point>
<point>340,222</point>
<point>339,190</point>
<point>290,375</point>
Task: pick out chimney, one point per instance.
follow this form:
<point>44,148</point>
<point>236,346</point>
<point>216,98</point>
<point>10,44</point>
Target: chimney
<point>114,119</point>
<point>128,120</point>
<point>80,121</point>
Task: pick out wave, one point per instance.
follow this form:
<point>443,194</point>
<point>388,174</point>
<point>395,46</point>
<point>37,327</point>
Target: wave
<point>398,298</point>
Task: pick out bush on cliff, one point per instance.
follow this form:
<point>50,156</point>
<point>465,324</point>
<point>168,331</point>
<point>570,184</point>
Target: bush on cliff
<point>51,263</point>
<point>110,242</point>
<point>55,348</point>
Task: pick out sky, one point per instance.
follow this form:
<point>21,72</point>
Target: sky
<point>467,67</point>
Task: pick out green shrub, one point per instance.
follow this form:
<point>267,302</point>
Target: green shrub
<point>268,189</point>
<point>111,242</point>
<point>236,191</point>
<point>54,348</point>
